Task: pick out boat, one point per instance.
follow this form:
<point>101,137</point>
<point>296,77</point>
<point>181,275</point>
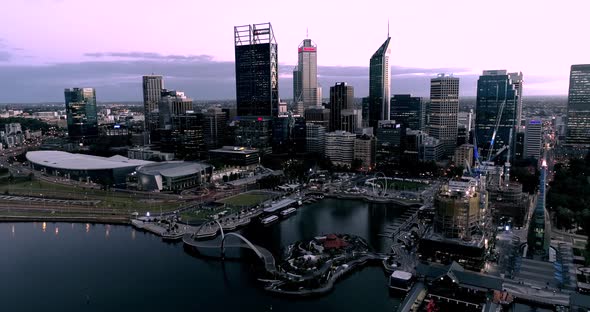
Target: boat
<point>288,211</point>
<point>401,281</point>
<point>269,220</point>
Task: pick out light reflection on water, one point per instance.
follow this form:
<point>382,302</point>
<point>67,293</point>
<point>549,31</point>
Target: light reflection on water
<point>44,226</point>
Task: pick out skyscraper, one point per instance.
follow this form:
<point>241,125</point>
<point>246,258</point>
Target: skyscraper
<point>443,111</point>
<point>341,99</point>
<point>407,110</point>
<point>257,72</point>
<point>305,76</point>
<point>172,103</point>
<point>379,85</point>
<point>578,107</point>
<point>81,112</point>
<point>152,89</point>
<point>533,136</point>
<point>497,111</point>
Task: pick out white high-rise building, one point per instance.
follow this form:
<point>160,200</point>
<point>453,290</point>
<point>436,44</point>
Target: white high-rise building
<point>340,147</point>
<point>533,139</point>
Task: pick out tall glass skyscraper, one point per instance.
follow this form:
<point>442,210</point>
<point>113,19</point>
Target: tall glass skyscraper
<point>341,100</point>
<point>379,85</point>
<point>578,107</point>
<point>257,72</point>
<point>305,76</point>
<point>443,111</point>
<point>497,105</point>
<point>81,113</point>
<point>152,88</point>
<point>407,110</point>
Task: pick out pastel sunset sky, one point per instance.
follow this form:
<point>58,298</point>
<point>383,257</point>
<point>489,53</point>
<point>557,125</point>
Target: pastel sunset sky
<point>49,45</point>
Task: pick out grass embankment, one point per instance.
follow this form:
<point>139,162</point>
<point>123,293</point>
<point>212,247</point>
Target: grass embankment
<point>249,199</point>
<point>114,202</point>
<point>406,185</point>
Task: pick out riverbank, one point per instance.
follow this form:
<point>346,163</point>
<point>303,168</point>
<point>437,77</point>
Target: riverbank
<point>375,200</point>
<point>68,219</point>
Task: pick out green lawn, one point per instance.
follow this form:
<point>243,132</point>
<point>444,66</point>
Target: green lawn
<point>247,199</point>
<point>405,185</point>
<point>116,201</point>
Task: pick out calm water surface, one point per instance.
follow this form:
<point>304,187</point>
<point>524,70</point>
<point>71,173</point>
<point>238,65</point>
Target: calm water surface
<point>79,267</point>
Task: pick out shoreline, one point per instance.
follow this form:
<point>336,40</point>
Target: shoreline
<point>81,219</point>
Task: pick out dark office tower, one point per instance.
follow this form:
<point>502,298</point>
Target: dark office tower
<point>172,103</point>
<point>289,132</point>
<point>257,72</point>
<point>341,99</point>
<point>305,76</point>
<point>443,111</point>
<point>186,138</point>
<point>379,85</point>
<point>407,110</point>
<point>81,113</point>
<point>578,107</point>
<point>496,111</point>
<point>152,89</point>
<point>214,127</point>
<point>318,115</point>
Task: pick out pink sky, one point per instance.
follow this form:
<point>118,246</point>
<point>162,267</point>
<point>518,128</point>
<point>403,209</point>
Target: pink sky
<point>540,38</point>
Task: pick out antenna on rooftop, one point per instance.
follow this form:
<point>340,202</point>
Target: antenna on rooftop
<point>307,33</point>
<point>388,28</point>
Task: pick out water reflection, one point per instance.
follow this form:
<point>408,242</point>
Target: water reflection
<point>108,231</point>
<point>44,227</point>
<point>133,234</point>
<point>56,230</point>
<point>87,227</point>
<point>13,230</point>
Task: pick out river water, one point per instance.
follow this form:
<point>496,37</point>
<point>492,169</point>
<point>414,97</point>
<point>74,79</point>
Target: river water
<point>86,267</point>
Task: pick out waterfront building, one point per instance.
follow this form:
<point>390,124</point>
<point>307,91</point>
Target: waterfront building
<point>305,76</point>
<point>172,103</point>
<point>443,111</point>
<point>108,171</point>
<point>81,113</point>
<point>340,147</point>
<point>257,72</point>
<point>341,99</point>
<point>578,107</point>
<point>172,176</point>
<point>533,139</point>
<point>379,84</point>
<point>497,105</point>
<point>408,111</point>
<point>364,150</point>
<point>152,92</point>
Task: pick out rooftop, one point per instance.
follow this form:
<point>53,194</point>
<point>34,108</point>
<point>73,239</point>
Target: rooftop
<point>172,168</point>
<point>69,161</point>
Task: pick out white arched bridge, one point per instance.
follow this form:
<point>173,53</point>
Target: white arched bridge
<point>262,253</point>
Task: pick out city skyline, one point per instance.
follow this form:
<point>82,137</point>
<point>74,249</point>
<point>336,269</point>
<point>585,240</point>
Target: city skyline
<point>198,54</point>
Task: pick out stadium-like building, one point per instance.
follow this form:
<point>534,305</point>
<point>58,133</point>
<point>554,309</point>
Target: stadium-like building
<point>172,175</point>
<point>111,171</point>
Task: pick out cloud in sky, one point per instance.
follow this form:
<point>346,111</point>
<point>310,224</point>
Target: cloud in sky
<point>117,76</point>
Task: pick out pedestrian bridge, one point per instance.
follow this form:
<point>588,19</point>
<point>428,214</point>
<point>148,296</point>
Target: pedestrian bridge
<point>242,242</point>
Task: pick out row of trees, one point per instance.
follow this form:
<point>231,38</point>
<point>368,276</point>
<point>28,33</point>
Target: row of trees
<point>569,196</point>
